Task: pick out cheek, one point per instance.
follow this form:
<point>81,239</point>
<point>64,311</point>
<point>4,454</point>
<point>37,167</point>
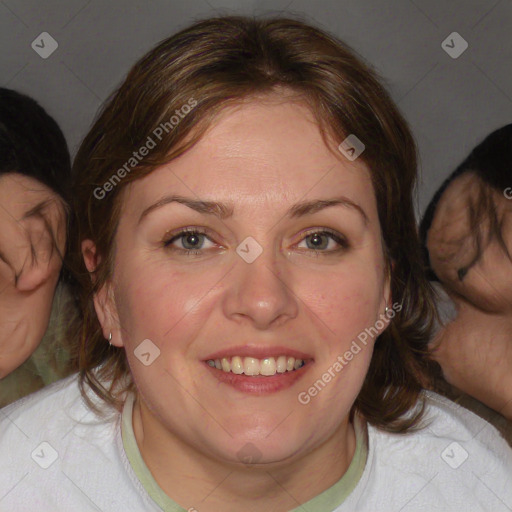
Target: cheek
<point>172,306</point>
<point>21,336</point>
<point>38,307</point>
<point>346,300</point>
<point>164,304</point>
<point>348,304</point>
<point>488,284</point>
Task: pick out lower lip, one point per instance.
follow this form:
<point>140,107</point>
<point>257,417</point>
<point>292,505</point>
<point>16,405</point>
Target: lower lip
<point>259,385</point>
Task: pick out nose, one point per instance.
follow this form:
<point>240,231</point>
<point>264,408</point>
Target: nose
<point>261,292</point>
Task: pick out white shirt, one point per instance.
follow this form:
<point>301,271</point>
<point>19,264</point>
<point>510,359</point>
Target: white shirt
<point>57,455</point>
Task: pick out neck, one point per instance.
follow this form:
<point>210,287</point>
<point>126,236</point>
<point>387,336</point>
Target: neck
<point>195,480</point>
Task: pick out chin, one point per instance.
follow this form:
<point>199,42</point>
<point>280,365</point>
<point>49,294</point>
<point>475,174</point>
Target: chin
<point>254,452</point>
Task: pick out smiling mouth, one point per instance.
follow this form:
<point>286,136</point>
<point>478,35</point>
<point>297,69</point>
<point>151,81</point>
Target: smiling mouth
<point>251,366</point>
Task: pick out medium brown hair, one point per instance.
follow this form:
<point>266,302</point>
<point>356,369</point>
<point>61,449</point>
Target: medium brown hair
<point>220,62</point>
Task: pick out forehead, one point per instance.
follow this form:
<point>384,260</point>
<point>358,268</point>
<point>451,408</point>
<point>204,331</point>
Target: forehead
<point>16,188</point>
<point>462,194</point>
<point>461,188</point>
<point>264,152</point>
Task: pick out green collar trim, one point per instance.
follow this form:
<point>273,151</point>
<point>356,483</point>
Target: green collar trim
<point>137,462</point>
<point>330,499</point>
<point>335,495</point>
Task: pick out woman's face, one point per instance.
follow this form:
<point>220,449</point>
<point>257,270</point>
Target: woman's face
<point>486,282</point>
<point>32,242</point>
<point>257,284</point>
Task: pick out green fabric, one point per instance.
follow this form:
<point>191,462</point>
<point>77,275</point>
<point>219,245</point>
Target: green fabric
<point>51,359</point>
<point>324,502</point>
<point>333,497</point>
<point>137,462</point>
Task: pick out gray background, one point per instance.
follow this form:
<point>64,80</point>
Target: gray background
<point>450,103</point>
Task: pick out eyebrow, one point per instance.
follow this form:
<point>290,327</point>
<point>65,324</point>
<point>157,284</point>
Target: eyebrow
<point>36,211</point>
<point>225,211</point>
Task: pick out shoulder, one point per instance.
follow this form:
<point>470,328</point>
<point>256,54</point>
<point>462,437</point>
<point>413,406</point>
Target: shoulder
<point>49,397</point>
<point>447,420</point>
<point>451,436</point>
<point>58,454</point>
<point>454,461</point>
<point>51,413</point>
<point>54,407</point>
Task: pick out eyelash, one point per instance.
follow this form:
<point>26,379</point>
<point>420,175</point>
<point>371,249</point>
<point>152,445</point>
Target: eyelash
<point>339,239</point>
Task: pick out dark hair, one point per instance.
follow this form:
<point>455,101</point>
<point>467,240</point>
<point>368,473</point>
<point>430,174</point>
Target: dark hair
<point>32,144</point>
<point>220,62</point>
<point>491,162</point>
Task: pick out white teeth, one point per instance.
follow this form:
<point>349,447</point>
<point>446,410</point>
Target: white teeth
<point>251,366</point>
<point>268,366</point>
<point>236,365</point>
<point>281,364</point>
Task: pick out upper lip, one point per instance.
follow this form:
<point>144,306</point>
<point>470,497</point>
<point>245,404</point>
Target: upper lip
<point>259,352</point>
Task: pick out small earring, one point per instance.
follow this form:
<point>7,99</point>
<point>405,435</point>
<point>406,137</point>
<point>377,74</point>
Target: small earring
<point>110,338</point>
<point>386,310</point>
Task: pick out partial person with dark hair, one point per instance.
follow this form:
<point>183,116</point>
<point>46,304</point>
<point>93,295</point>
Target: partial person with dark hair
<point>467,236</point>
<point>255,313</point>
<point>35,181</point>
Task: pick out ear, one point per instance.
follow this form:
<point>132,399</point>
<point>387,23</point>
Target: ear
<point>104,300</point>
